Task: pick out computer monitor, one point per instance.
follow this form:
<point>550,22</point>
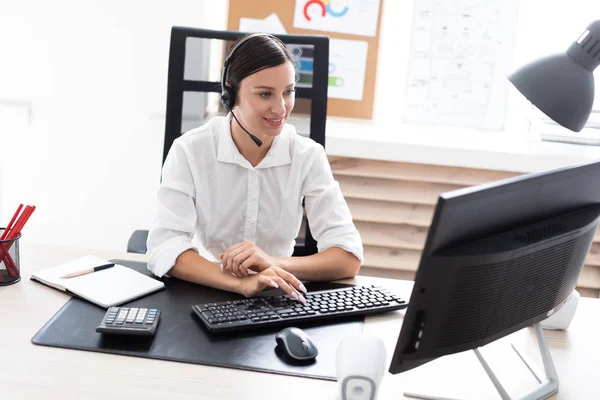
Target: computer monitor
<point>498,257</point>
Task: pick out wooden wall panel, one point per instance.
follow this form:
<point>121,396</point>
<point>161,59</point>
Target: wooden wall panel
<point>393,190</point>
<point>414,172</point>
<point>390,212</point>
<point>392,205</point>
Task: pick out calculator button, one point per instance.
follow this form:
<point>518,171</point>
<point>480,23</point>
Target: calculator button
<point>131,315</point>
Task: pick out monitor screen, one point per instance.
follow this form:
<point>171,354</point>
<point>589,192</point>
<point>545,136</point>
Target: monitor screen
<point>498,257</point>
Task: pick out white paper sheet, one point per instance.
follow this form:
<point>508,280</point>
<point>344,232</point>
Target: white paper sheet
<point>274,24</point>
<point>354,17</point>
<point>271,24</point>
<point>347,68</point>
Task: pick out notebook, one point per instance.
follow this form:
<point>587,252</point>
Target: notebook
<point>107,288</point>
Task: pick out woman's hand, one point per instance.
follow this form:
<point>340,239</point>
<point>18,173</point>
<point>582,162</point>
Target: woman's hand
<point>241,257</point>
<point>273,277</point>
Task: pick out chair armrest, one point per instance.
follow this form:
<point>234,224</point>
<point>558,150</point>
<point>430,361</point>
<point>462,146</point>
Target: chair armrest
<point>137,242</point>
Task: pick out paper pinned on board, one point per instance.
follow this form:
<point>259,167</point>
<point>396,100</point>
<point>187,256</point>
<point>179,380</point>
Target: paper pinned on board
<point>354,17</point>
<point>347,69</point>
<point>271,24</point>
<point>274,24</point>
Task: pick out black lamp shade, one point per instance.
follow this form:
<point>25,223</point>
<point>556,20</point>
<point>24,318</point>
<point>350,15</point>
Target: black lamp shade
<point>562,85</point>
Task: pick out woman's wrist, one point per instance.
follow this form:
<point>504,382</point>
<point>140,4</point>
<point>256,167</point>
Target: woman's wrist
<point>235,284</point>
<point>281,262</point>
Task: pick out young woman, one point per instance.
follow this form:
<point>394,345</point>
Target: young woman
<point>243,202</point>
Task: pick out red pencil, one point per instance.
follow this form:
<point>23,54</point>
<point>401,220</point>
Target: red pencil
<point>11,266</point>
<point>10,262</point>
<point>10,224</point>
<point>21,222</point>
<point>14,232</point>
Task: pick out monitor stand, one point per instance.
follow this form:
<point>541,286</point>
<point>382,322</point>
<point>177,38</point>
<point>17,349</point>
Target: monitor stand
<point>547,388</point>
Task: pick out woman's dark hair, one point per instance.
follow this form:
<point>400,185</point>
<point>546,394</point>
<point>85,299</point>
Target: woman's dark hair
<point>255,54</point>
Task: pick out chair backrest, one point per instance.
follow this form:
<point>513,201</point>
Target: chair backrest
<point>189,50</point>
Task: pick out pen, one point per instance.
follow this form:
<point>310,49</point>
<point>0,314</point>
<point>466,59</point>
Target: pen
<point>87,271</point>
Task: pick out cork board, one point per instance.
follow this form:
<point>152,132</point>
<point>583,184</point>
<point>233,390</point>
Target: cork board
<point>284,9</point>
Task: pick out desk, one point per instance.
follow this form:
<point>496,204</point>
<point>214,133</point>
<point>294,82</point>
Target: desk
<point>37,372</point>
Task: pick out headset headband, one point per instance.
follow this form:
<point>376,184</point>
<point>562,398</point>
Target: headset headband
<point>226,63</point>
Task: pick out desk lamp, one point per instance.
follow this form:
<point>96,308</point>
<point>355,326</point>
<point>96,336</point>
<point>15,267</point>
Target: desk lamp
<point>562,85</point>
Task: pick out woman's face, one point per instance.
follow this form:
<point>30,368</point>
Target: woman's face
<point>266,98</point>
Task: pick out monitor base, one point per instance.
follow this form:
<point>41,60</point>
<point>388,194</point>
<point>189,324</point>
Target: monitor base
<point>548,384</point>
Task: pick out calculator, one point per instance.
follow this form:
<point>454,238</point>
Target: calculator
<point>130,321</point>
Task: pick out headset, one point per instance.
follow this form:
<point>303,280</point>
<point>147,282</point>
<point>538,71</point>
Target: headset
<point>228,92</point>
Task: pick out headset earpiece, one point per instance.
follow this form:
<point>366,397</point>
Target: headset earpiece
<point>227,98</point>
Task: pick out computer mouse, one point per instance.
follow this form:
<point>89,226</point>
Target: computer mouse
<point>296,344</point>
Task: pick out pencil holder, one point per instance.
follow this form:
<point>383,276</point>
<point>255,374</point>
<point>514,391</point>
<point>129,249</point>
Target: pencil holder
<point>10,269</point>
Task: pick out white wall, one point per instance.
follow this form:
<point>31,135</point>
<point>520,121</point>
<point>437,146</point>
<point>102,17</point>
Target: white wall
<point>95,73</point>
<point>543,28</point>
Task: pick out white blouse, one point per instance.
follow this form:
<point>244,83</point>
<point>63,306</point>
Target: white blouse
<point>211,198</point>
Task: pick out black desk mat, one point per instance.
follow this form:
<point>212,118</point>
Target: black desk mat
<point>182,337</point>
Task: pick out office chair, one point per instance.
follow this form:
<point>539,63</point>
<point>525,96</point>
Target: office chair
<point>183,52</point>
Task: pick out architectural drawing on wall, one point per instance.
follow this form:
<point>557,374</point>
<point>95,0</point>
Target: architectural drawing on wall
<point>460,54</point>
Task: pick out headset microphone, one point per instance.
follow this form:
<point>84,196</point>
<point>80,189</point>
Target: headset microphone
<point>228,93</point>
<point>254,138</point>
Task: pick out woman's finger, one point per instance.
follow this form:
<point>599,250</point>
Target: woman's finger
<point>229,261</point>
<point>233,247</point>
<point>266,280</point>
<point>290,278</point>
<point>289,289</point>
<point>241,258</point>
<point>250,262</point>
<point>226,254</point>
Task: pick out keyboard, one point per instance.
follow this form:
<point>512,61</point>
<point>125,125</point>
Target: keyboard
<point>321,305</point>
